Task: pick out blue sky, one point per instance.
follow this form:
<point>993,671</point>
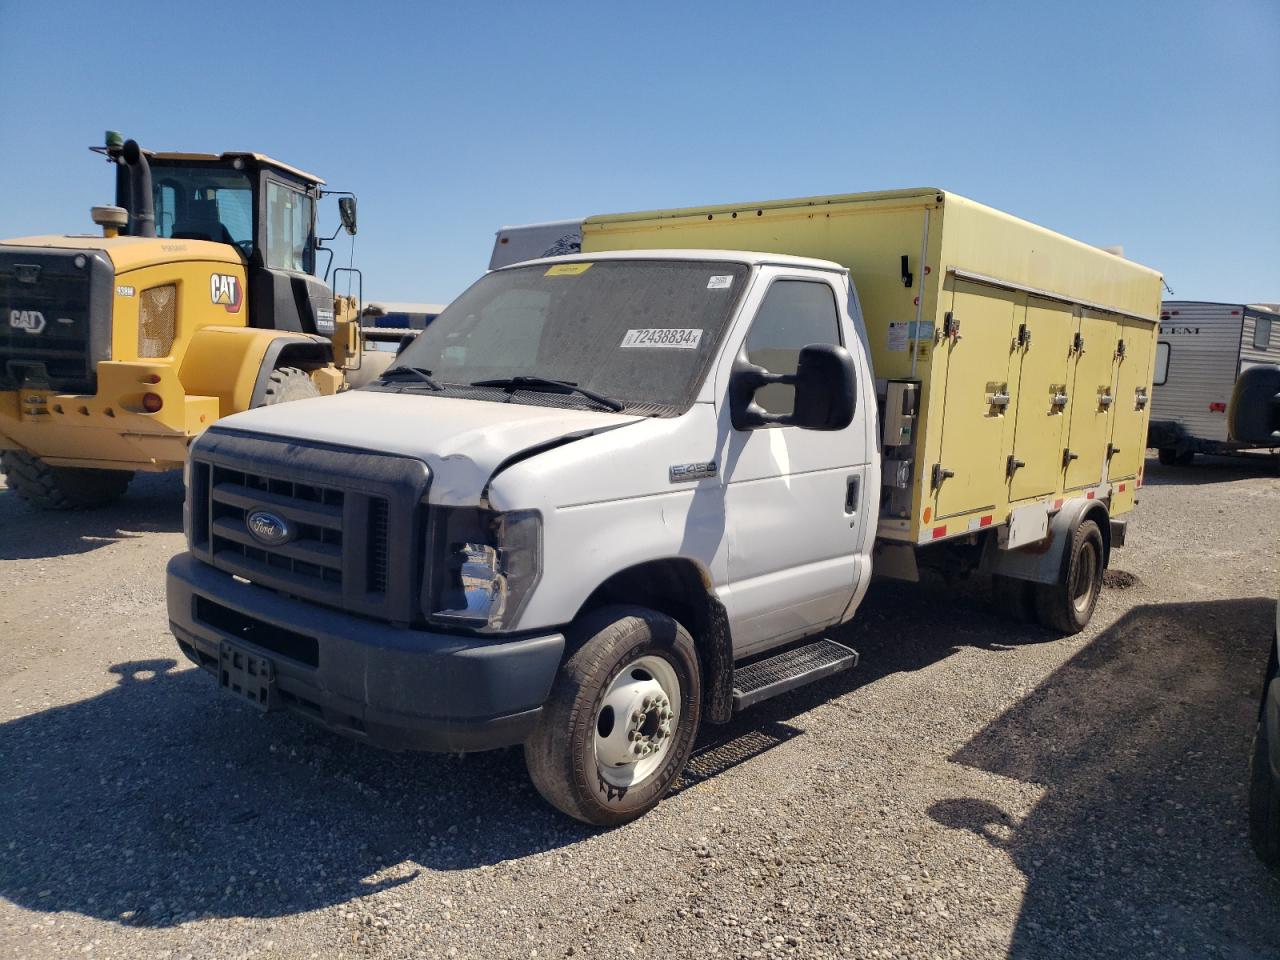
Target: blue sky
<point>1152,125</point>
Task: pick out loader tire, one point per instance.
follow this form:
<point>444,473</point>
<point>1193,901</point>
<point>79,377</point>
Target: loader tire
<point>61,488</point>
<point>286,384</point>
<point>1067,604</point>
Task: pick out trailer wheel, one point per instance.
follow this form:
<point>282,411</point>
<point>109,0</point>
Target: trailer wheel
<point>1014,598</point>
<point>1067,605</point>
<point>620,723</point>
<point>1173,457</point>
<point>288,383</point>
<point>61,488</point>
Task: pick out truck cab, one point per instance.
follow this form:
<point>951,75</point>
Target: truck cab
<point>578,475</point>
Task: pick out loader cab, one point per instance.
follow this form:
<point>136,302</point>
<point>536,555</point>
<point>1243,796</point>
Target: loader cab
<point>263,208</point>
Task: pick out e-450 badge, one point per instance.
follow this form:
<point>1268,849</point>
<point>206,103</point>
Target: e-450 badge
<point>226,290</point>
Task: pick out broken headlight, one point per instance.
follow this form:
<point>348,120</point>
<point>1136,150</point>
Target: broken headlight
<point>485,566</point>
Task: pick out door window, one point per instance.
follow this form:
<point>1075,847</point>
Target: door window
<point>795,313</point>
<point>289,224</point>
<point>1162,364</point>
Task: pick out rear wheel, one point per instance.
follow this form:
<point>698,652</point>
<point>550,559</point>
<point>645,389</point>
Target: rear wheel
<point>288,383</point>
<point>1173,457</point>
<point>61,488</point>
<point>1067,605</point>
<point>619,725</point>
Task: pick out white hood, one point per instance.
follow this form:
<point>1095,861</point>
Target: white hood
<point>462,441</point>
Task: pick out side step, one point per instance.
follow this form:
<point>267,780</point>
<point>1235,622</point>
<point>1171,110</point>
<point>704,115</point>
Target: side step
<point>788,670</point>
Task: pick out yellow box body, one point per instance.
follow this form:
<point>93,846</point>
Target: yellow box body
<point>210,371</point>
<point>1030,315</point>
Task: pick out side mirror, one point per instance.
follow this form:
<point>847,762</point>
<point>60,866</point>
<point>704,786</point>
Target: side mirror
<point>347,211</point>
<point>825,397</point>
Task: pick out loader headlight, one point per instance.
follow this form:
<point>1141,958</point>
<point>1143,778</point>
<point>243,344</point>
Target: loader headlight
<point>485,566</point>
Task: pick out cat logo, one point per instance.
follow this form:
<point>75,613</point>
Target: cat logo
<point>226,290</point>
<point>31,321</point>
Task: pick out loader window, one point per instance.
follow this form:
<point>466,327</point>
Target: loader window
<point>795,313</point>
<point>289,229</point>
<point>203,203</point>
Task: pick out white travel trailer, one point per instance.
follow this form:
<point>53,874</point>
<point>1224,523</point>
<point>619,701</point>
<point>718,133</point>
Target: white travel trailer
<point>555,238</point>
<point>1217,379</point>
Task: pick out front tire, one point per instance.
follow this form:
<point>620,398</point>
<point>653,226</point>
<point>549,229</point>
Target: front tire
<point>620,723</point>
<point>287,384</point>
<point>1067,605</point>
<point>61,488</point>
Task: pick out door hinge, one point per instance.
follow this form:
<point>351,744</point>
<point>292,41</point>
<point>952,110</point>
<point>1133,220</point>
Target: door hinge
<point>1120,348</point>
<point>1077,344</point>
<point>906,272</point>
<point>1013,464</point>
<point>950,325</point>
<point>1024,335</point>
<point>940,474</point>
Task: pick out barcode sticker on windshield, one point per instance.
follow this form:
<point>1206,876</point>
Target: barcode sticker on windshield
<point>676,338</point>
<point>719,283</point>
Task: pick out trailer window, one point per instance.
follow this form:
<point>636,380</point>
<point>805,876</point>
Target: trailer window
<point>1261,333</point>
<point>1162,364</point>
<point>795,313</point>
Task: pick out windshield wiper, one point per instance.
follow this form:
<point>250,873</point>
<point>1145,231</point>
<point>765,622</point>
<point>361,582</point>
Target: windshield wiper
<point>422,374</point>
<point>554,386</point>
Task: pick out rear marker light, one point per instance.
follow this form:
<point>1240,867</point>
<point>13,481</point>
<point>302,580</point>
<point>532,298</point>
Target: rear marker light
<point>985,522</point>
<point>1217,408</point>
<point>939,532</point>
<point>152,402</point>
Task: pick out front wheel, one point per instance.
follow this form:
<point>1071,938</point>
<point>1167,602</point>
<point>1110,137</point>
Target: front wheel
<point>620,723</point>
<point>1067,605</point>
<point>61,488</point>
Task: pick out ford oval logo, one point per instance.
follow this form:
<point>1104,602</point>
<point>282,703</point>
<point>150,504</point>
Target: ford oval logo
<point>268,528</point>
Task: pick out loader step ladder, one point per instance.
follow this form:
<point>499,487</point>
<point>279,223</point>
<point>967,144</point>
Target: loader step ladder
<point>788,670</point>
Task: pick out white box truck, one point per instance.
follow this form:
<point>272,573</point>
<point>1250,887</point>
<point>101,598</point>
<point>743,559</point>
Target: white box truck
<point>607,497</point>
<point>1217,379</point>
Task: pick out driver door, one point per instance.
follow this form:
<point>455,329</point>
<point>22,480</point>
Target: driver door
<point>792,496</point>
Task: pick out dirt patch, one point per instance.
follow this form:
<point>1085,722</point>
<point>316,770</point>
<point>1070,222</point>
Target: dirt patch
<point>1119,579</point>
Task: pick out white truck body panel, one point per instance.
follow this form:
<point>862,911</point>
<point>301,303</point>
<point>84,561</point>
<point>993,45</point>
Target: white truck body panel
<point>533,241</point>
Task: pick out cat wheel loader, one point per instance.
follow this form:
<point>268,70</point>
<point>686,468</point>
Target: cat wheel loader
<point>198,300</point>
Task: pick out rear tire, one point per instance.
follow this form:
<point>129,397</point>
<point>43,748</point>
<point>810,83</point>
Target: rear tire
<point>286,384</point>
<point>1067,605</point>
<point>1013,598</point>
<point>61,488</point>
<point>620,723</point>
<point>1173,457</point>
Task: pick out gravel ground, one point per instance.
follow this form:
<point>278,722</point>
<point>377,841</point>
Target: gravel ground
<point>975,788</point>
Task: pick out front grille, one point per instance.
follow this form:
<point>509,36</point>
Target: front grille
<point>312,555</point>
<point>350,524</point>
<point>55,318</point>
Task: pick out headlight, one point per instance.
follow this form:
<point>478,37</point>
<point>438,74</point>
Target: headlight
<point>487,565</point>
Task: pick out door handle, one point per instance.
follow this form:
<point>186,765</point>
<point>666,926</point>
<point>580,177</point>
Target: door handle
<point>851,494</point>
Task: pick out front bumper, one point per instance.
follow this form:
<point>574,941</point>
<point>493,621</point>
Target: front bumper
<point>394,687</point>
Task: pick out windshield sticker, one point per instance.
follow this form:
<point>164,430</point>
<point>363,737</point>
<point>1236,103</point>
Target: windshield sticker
<point>719,283</point>
<point>567,269</point>
<point>678,338</point>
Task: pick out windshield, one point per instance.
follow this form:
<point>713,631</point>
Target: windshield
<point>196,202</point>
<point>641,332</point>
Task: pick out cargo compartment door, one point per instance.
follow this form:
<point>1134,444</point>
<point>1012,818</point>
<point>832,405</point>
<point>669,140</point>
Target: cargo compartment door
<point>1043,345</point>
<point>1093,400</point>
<point>1133,392</point>
<point>975,442</point>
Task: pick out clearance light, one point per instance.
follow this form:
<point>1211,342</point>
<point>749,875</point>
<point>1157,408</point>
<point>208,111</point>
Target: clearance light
<point>152,402</point>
